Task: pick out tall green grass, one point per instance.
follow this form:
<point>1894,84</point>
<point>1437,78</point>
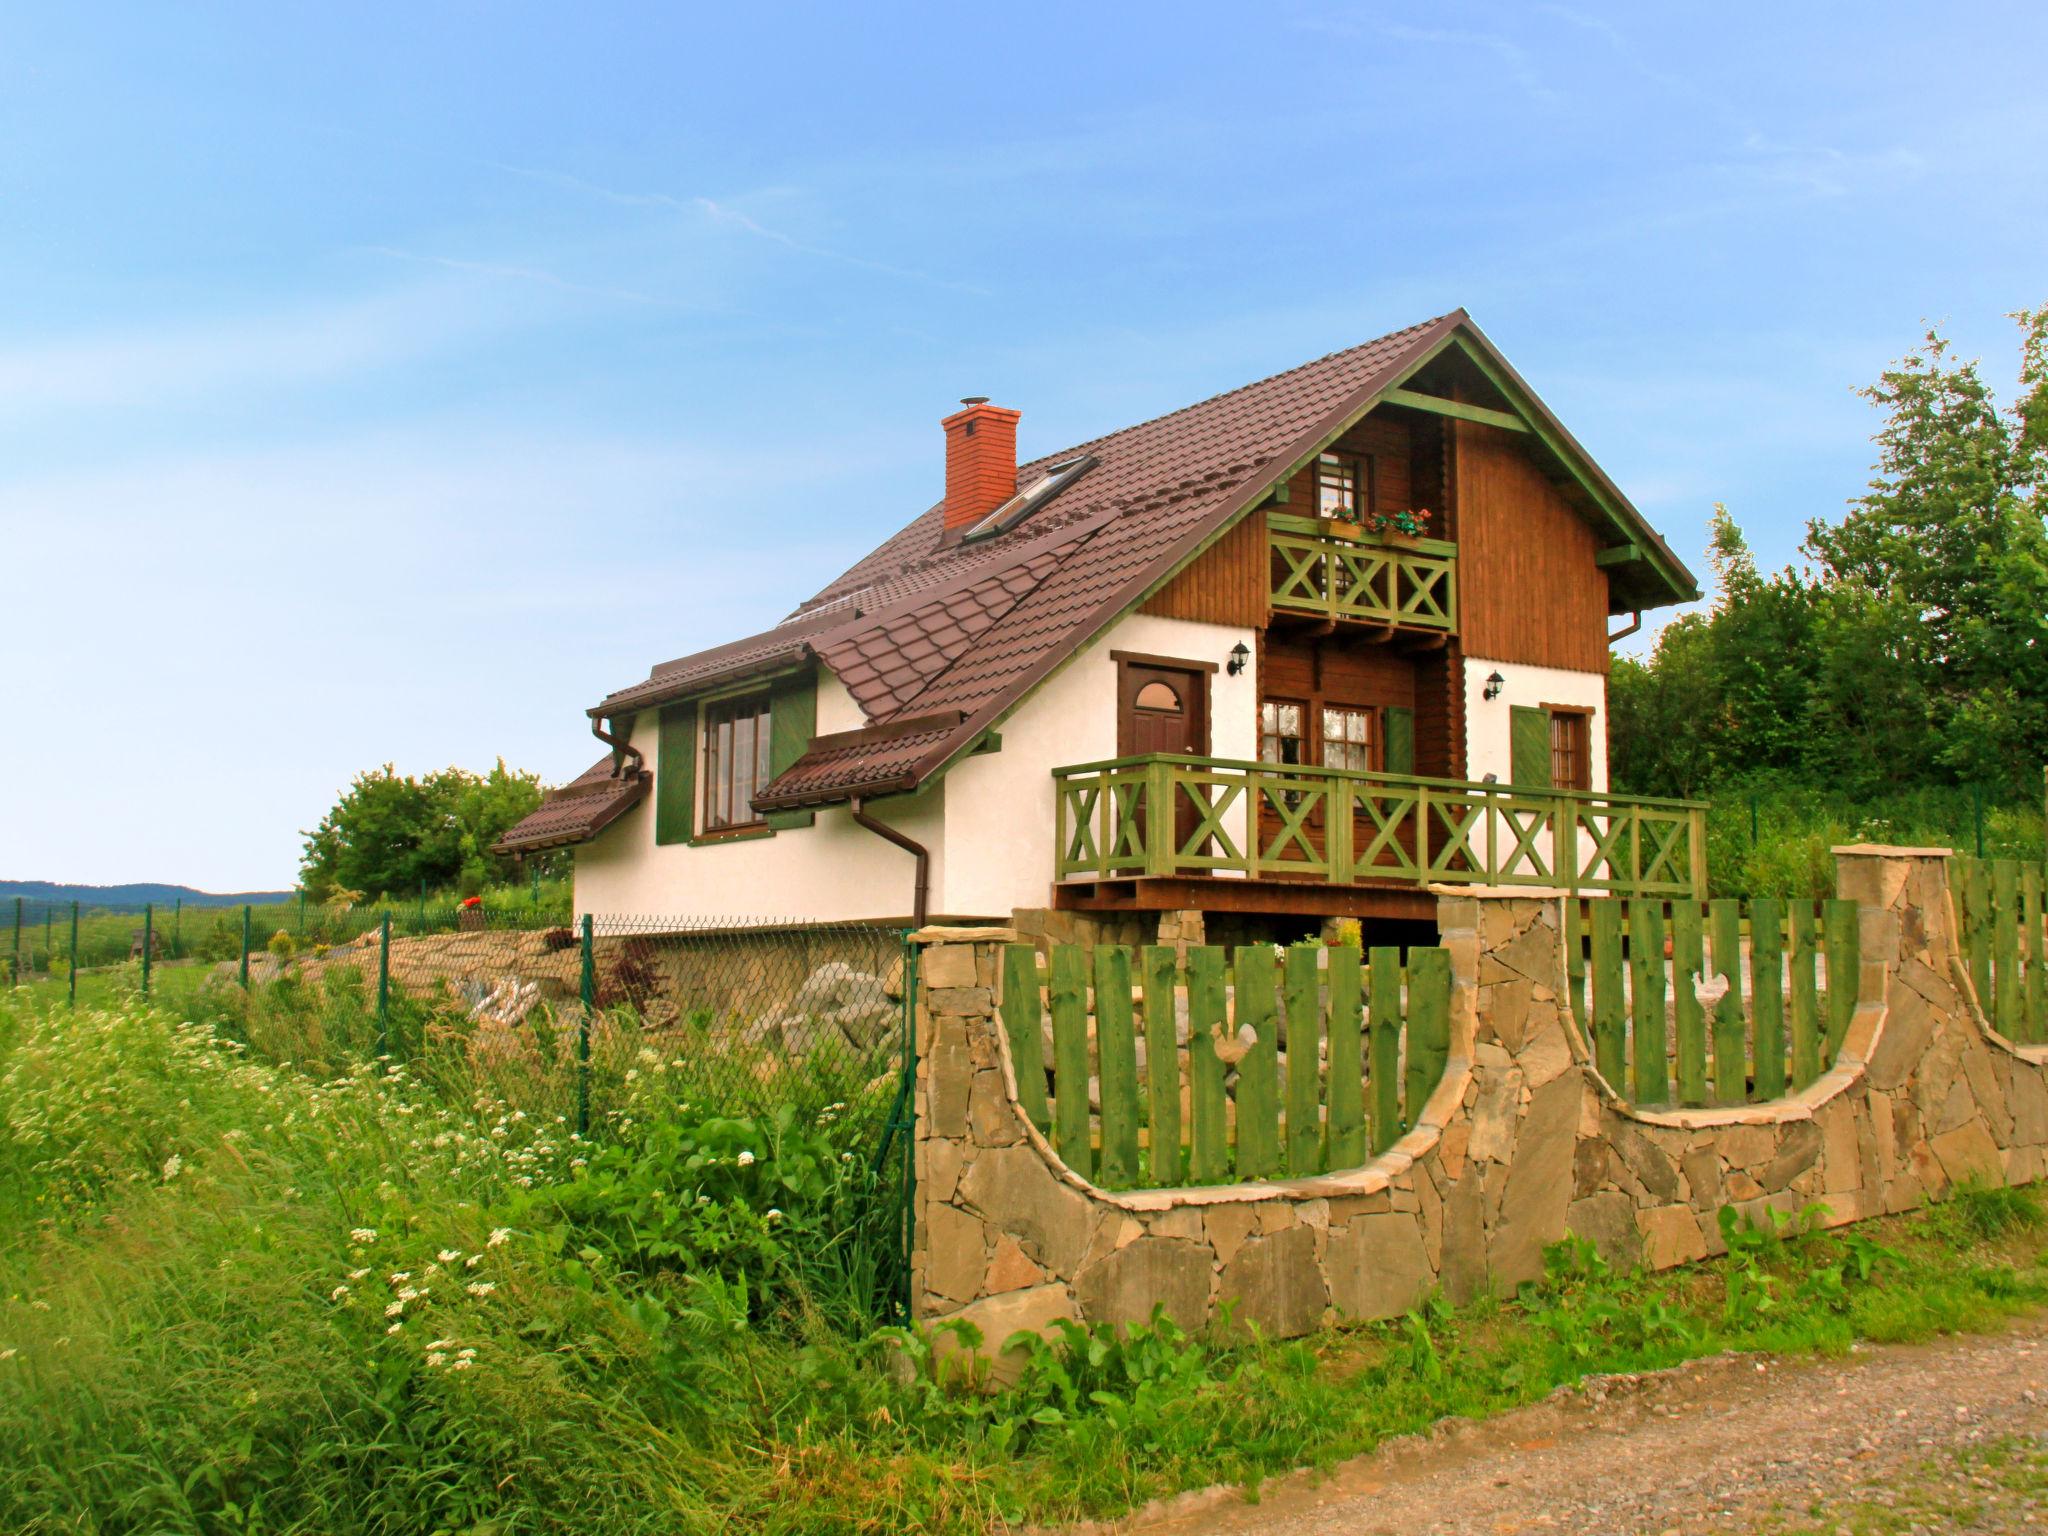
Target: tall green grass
<point>237,1296</point>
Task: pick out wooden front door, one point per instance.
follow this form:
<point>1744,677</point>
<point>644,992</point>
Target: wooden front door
<point>1163,707</point>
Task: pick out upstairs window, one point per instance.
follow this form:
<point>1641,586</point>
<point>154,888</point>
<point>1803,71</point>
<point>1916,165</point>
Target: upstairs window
<point>1343,486</point>
<point>735,761</point>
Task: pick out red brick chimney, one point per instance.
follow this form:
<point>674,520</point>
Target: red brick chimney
<point>981,461</point>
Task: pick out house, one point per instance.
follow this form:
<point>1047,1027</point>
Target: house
<point>1291,654</point>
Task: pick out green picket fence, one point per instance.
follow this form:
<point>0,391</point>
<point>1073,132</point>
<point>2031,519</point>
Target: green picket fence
<point>1634,973</point>
<point>1999,903</point>
<point>1216,1097</point>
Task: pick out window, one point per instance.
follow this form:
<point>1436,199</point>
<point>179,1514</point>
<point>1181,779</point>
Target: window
<point>1343,486</point>
<point>1032,497</point>
<point>1348,738</point>
<point>1280,739</point>
<point>1571,756</point>
<point>735,761</point>
<point>1159,698</point>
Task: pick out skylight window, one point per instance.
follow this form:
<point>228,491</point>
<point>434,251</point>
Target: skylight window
<point>1032,497</point>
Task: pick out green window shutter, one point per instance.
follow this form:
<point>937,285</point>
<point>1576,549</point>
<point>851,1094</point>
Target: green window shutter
<point>792,722</point>
<point>1529,748</point>
<point>1400,740</point>
<point>675,775</point>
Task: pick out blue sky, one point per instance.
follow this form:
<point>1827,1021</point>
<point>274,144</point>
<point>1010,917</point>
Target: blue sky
<point>389,383</point>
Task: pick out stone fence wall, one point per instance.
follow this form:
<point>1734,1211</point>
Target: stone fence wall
<point>1521,1142</point>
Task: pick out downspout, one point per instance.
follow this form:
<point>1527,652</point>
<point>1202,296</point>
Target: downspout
<point>922,900</point>
<point>624,748</point>
<point>1635,622</point>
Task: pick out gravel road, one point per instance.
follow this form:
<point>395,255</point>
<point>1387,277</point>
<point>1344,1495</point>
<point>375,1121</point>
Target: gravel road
<point>1949,1436</point>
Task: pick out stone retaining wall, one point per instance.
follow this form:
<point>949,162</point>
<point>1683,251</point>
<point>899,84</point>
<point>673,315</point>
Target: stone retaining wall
<point>1521,1141</point>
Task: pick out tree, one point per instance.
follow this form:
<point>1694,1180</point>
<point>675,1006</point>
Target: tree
<point>391,836</point>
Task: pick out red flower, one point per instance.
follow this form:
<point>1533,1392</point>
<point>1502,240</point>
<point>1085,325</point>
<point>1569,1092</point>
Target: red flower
<point>472,901</point>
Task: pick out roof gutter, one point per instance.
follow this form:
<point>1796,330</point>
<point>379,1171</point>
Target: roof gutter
<point>1635,622</point>
<point>921,899</point>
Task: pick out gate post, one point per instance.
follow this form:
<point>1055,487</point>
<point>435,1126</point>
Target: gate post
<point>384,987</point>
<point>588,990</point>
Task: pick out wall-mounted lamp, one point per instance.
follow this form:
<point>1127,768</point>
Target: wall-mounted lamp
<point>1494,683</point>
<point>1239,655</point>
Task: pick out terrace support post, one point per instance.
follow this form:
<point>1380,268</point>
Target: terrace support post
<point>245,947</point>
<point>148,942</point>
<point>1159,818</point>
<point>384,987</point>
<point>587,988</point>
<point>73,968</point>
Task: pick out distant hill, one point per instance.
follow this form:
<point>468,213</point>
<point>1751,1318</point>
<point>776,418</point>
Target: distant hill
<point>137,895</point>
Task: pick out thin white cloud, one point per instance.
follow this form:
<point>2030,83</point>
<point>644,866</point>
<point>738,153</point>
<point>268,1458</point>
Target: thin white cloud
<point>727,216</point>
<point>514,273</point>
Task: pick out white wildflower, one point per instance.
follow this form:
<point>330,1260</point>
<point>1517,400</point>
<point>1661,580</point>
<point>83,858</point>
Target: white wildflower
<point>448,1255</point>
<point>746,1158</point>
<point>499,1237</point>
<point>6,1354</point>
<point>480,1287</point>
<point>339,1293</point>
<point>400,1276</point>
<point>40,1305</point>
<point>362,1235</point>
<point>466,1354</point>
<point>441,1344</point>
<point>409,1294</point>
<point>774,1214</point>
<point>357,1274</point>
<point>171,1166</point>
<point>462,1365</point>
<point>396,1327</point>
<point>435,1357</point>
<point>396,1309</point>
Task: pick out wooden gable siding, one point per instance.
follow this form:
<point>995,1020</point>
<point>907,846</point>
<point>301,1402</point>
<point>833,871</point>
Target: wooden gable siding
<point>1231,582</point>
<point>1530,588</point>
<point>1227,583</point>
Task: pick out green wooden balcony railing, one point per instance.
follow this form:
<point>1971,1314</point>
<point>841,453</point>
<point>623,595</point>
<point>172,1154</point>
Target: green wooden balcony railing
<point>1166,815</point>
<point>1411,584</point>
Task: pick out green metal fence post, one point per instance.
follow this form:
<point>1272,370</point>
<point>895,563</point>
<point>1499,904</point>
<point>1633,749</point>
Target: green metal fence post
<point>384,987</point>
<point>302,911</point>
<point>536,884</point>
<point>420,922</point>
<point>15,975</point>
<point>178,929</point>
<point>148,941</point>
<point>245,948</point>
<point>588,988</point>
<point>905,1117</point>
<point>1752,820</point>
<point>74,955</point>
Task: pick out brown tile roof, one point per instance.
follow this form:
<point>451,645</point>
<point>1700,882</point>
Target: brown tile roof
<point>578,811</point>
<point>921,626</point>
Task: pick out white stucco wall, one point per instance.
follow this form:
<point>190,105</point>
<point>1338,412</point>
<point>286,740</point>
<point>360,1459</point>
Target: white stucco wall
<point>1486,720</point>
<point>831,871</point>
<point>1000,804</point>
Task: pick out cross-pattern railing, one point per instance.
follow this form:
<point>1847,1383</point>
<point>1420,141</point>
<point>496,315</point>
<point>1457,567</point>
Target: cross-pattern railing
<point>1167,815</point>
<point>1411,584</point>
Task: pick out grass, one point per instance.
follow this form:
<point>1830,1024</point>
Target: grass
<point>237,1298</point>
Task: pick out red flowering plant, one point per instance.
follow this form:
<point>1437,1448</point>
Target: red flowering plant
<point>471,901</point>
<point>1414,523</point>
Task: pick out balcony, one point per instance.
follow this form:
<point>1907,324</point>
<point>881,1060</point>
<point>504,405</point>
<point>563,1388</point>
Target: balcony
<point>1392,582</point>
<point>1172,819</point>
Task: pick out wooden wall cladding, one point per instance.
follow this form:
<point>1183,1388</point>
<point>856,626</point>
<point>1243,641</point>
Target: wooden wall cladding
<point>1227,584</point>
<point>1529,587</point>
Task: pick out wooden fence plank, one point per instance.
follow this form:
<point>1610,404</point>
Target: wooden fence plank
<point>1429,1026</point>
<point>1348,1146</point>
<point>1208,1120</point>
<point>1258,1097</point>
<point>1116,1052</point>
<point>1731,1054</point>
<point>1023,1023</point>
<point>1069,995</point>
<point>1575,958</point>
<point>1385,1019</point>
<point>1804,998</point>
<point>1843,925</point>
<point>2036,991</point>
<point>2005,1001</point>
<point>1610,1020</point>
<point>1162,1068</point>
<point>1302,991</point>
<point>1689,1020</point>
<point>1977,927</point>
<point>1767,989</point>
<point>1646,977</point>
